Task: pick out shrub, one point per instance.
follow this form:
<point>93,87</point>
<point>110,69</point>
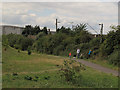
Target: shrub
<point>58,49</point>
<point>29,50</point>
<point>40,35</point>
<point>70,70</point>
<point>28,78</point>
<point>114,58</point>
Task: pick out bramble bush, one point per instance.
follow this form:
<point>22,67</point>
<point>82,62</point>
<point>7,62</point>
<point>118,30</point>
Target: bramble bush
<point>70,70</point>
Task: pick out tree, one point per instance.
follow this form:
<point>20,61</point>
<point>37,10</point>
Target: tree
<point>80,27</point>
<point>36,30</point>
<point>112,39</point>
<point>64,30</point>
<point>30,30</point>
<point>27,30</point>
<point>45,30</point>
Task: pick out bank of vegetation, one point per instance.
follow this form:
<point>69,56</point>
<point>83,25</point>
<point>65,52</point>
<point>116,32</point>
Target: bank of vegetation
<point>67,40</point>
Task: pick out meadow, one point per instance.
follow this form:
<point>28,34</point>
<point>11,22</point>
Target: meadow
<point>20,70</point>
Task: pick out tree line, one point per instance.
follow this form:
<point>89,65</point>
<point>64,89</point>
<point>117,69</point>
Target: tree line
<point>67,40</point>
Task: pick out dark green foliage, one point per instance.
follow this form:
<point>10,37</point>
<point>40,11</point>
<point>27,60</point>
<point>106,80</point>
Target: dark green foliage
<point>17,41</point>
<point>28,77</point>
<point>15,74</point>
<point>40,35</point>
<point>66,40</point>
<point>63,42</point>
<point>46,77</point>
<point>30,30</point>
<point>25,43</point>
<point>58,49</point>
<point>36,78</point>
<point>79,27</point>
<point>114,58</point>
<point>112,39</point>
<point>111,45</point>
<point>45,30</point>
<point>64,30</point>
<point>29,51</point>
<point>4,40</point>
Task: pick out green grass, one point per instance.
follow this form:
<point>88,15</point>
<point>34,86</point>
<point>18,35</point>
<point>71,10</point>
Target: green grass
<point>42,66</point>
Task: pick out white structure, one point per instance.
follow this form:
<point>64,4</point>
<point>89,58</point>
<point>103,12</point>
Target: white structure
<point>52,32</point>
<point>6,29</point>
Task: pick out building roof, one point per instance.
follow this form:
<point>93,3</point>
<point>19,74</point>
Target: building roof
<point>10,26</point>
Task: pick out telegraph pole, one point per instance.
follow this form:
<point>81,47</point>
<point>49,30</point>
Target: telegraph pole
<point>101,33</point>
<point>56,25</point>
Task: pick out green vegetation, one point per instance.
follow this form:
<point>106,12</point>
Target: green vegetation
<point>17,41</point>
<point>21,70</point>
<point>66,40</point>
<point>30,30</point>
<point>22,67</point>
<point>70,70</point>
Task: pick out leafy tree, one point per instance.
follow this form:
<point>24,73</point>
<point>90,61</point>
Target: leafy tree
<point>64,30</point>
<point>40,35</point>
<point>27,30</point>
<point>80,27</point>
<point>45,30</point>
<point>36,30</point>
<point>30,30</point>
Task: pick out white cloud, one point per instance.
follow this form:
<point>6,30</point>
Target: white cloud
<point>60,0</point>
<point>44,14</point>
<point>0,13</point>
<point>32,14</point>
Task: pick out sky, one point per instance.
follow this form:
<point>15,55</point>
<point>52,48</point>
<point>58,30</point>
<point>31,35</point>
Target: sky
<point>21,13</point>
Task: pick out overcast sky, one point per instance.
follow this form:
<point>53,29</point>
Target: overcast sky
<point>45,13</point>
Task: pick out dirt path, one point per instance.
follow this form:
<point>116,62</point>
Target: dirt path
<point>98,67</point>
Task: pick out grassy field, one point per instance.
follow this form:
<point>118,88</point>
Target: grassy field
<point>41,71</point>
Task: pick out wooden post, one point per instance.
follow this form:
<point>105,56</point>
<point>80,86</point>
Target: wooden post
<point>56,25</point>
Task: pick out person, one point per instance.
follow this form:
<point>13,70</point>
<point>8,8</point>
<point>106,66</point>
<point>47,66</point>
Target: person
<point>78,53</point>
<point>70,55</point>
<point>89,53</point>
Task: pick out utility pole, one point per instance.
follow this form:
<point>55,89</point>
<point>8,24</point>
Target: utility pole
<point>56,24</point>
<point>101,33</point>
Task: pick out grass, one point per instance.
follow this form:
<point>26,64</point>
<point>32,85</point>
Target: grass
<point>16,66</point>
<point>21,62</point>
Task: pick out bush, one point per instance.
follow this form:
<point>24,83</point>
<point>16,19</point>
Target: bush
<point>40,35</point>
<point>114,58</point>
<point>70,70</point>
<point>17,41</point>
<point>58,49</point>
<point>95,42</point>
<point>29,50</point>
